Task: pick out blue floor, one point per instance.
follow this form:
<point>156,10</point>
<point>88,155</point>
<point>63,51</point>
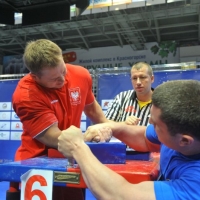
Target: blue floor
<point>89,195</point>
<point>4,186</point>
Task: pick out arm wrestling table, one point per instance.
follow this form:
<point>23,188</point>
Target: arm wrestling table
<point>113,155</point>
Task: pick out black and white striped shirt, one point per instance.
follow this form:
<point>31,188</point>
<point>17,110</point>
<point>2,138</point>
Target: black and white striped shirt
<point>126,104</point>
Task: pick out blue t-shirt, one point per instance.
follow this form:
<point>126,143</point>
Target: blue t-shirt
<point>180,175</point>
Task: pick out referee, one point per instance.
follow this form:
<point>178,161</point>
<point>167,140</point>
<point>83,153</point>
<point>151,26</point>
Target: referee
<point>133,106</point>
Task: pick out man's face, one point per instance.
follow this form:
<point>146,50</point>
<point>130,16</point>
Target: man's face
<point>161,129</point>
<point>141,80</point>
<point>52,77</point>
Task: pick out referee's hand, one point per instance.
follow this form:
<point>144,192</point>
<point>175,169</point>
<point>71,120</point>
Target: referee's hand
<point>132,120</point>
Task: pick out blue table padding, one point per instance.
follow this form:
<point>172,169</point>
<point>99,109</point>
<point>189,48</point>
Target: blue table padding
<point>109,153</point>
<point>13,170</point>
<point>135,155</point>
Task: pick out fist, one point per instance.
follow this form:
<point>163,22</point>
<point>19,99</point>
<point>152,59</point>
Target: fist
<point>98,133</point>
<point>132,120</point>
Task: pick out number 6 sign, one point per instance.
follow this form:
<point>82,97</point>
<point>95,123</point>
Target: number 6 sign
<point>37,185</point>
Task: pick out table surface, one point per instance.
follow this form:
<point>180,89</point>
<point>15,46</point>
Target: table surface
<point>134,171</point>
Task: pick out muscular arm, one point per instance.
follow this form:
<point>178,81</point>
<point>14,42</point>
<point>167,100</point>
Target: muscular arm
<point>95,113</point>
<point>114,187</point>
<point>96,175</point>
<point>133,136</point>
<point>50,136</point>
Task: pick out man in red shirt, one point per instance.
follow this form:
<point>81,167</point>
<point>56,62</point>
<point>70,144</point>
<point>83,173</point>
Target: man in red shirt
<point>49,100</point>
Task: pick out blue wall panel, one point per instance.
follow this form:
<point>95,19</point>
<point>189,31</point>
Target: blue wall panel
<point>109,85</point>
<point>10,126</point>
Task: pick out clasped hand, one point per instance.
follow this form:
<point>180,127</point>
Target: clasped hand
<point>71,138</point>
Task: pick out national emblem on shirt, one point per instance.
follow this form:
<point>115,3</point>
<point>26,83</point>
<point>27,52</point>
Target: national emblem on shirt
<point>75,95</point>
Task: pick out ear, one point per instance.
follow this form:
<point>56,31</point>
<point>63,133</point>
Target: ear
<point>152,78</point>
<point>186,140</point>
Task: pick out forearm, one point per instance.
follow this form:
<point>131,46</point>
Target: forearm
<point>133,136</point>
<point>97,117</point>
<point>95,113</point>
<point>102,181</point>
<point>50,136</point>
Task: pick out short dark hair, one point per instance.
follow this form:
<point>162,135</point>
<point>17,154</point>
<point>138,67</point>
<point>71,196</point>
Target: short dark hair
<point>179,102</point>
<point>139,65</point>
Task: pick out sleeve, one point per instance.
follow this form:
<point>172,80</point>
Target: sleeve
<point>151,134</point>
<point>35,116</point>
<point>90,95</point>
<point>184,187</point>
<point>113,112</point>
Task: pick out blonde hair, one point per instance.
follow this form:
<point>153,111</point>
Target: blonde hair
<point>41,54</point>
<point>139,65</point>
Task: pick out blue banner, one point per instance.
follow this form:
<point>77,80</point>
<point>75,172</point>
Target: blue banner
<point>10,125</point>
<point>163,76</point>
<point>111,84</point>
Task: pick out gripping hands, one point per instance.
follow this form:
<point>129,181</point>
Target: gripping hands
<point>98,133</point>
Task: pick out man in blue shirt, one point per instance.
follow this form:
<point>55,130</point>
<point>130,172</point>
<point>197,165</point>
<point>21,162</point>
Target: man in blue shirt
<point>174,128</point>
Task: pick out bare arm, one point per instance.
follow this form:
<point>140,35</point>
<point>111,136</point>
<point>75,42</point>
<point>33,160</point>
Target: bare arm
<point>50,136</point>
<point>133,136</point>
<point>95,113</point>
<point>96,175</point>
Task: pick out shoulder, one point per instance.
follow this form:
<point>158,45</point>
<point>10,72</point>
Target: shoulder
<point>151,134</point>
<point>125,94</point>
<point>76,69</point>
<point>26,84</point>
<point>25,80</point>
<point>179,187</point>
<point>26,89</point>
<point>78,75</point>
